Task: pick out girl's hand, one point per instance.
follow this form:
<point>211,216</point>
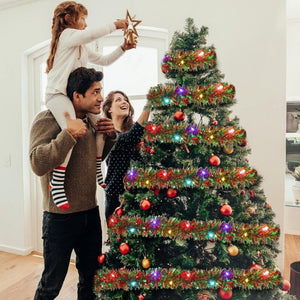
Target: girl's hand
<point>127,46</point>
<point>121,24</point>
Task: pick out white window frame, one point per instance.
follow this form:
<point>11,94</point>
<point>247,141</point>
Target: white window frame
<point>148,37</point>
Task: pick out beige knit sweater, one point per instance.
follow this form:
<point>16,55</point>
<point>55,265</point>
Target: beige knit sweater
<point>48,149</point>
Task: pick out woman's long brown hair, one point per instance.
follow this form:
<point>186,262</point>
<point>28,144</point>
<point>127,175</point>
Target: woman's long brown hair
<point>128,121</point>
<point>59,24</point>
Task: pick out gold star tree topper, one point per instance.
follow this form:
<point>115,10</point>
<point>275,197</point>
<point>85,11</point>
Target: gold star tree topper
<point>130,33</point>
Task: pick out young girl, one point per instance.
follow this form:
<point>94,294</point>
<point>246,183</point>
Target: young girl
<point>68,51</point>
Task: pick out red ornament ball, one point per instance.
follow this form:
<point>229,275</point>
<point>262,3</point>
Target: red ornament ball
<point>119,211</point>
<point>101,258</point>
<point>244,143</point>
<point>165,68</point>
<point>145,204</point>
<point>286,285</point>
<point>141,297</point>
<point>268,205</point>
<point>112,221</point>
<point>214,122</point>
<point>255,267</point>
<point>179,115</point>
<point>225,294</point>
<point>171,193</point>
<point>124,248</point>
<point>251,210</point>
<point>214,160</point>
<point>226,210</point>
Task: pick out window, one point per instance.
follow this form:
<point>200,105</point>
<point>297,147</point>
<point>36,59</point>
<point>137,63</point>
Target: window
<point>138,69</point>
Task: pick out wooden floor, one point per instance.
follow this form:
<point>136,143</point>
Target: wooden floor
<point>20,275</point>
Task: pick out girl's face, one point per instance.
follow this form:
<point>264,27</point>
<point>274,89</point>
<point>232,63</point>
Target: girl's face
<point>119,106</point>
<point>81,22</point>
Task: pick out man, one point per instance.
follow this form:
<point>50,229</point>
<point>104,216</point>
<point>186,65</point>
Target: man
<point>79,227</point>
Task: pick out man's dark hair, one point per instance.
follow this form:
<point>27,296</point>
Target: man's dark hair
<point>81,79</point>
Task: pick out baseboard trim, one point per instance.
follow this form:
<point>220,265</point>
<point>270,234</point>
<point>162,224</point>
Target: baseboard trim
<point>14,250</point>
<point>291,231</point>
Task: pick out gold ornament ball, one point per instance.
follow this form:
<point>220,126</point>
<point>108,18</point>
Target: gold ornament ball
<point>146,263</point>
<point>228,149</point>
<point>233,250</point>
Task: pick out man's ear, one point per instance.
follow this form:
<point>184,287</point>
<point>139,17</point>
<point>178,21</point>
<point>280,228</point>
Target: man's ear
<point>76,96</point>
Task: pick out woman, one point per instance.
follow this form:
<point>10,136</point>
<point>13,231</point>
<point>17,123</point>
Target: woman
<point>118,108</point>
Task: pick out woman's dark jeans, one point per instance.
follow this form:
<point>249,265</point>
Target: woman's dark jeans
<point>111,203</point>
<point>61,234</point>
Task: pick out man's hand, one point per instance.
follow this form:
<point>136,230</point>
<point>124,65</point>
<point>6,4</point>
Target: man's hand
<point>76,128</point>
<point>106,126</point>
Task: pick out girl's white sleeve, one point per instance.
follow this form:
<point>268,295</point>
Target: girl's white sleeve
<point>104,60</point>
<point>71,37</point>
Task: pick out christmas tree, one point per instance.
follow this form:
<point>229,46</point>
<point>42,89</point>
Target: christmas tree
<point>195,223</point>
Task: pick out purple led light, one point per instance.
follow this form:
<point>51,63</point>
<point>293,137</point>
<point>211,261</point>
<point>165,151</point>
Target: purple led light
<point>166,58</point>
<point>154,223</point>
<point>131,174</point>
<point>227,274</point>
<point>155,275</point>
<point>203,173</point>
<point>180,91</point>
<point>191,129</point>
<point>226,227</point>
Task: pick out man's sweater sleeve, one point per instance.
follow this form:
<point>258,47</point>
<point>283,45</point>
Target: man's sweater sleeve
<point>48,145</point>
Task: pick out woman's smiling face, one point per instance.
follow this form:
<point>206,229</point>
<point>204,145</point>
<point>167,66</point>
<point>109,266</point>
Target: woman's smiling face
<point>119,106</point>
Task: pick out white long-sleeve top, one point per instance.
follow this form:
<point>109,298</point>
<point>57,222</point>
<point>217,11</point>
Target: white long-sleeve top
<point>67,57</point>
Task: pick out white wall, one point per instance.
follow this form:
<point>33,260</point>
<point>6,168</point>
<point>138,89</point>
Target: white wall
<point>293,59</point>
<point>249,36</point>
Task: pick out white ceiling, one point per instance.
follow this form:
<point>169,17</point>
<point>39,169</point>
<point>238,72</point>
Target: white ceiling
<point>292,7</point>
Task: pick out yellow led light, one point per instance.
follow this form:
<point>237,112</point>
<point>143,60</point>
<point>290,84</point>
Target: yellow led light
<point>182,62</point>
<point>211,137</point>
<point>223,178</point>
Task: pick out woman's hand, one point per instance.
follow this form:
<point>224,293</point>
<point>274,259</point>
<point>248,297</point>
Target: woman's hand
<point>106,126</point>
